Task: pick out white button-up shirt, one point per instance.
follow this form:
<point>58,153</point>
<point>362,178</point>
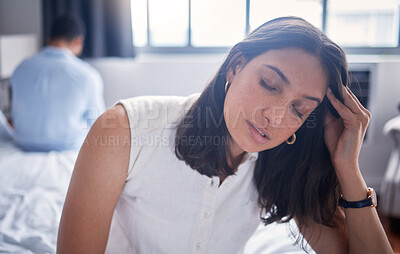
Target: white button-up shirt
<point>166,206</point>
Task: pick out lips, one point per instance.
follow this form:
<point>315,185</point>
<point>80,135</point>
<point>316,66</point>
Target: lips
<point>262,131</point>
<point>259,134</point>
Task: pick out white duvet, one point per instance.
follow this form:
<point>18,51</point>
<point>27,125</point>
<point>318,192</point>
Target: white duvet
<point>33,186</point>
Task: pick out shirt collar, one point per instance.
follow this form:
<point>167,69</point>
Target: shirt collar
<point>58,50</point>
<point>251,156</point>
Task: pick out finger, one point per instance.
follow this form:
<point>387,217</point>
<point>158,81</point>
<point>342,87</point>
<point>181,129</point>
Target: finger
<point>353,96</point>
<point>350,102</point>
<point>357,100</point>
<point>342,109</point>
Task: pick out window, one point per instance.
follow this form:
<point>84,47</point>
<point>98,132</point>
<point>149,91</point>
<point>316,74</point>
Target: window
<point>217,23</point>
<point>363,26</point>
<point>167,27</point>
<point>360,23</point>
<point>262,11</point>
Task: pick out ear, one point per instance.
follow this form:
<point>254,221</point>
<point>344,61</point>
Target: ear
<point>237,63</point>
<point>78,40</point>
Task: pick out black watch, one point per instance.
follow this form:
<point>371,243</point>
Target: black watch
<point>371,200</point>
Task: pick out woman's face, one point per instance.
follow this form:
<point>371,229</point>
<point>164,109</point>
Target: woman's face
<point>275,92</point>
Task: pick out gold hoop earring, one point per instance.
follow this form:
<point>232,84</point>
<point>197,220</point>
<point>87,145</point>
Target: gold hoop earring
<point>226,86</point>
<point>293,139</point>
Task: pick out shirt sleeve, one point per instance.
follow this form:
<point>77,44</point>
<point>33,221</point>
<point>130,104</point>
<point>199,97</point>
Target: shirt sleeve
<point>95,96</point>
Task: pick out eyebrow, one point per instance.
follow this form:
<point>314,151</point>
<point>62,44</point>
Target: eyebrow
<point>285,79</point>
<point>279,72</point>
<point>312,98</point>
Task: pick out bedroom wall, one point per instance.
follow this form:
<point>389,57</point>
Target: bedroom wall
<point>21,17</point>
<point>20,32</point>
<point>155,75</point>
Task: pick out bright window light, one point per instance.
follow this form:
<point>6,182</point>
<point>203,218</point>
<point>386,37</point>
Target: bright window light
<point>139,22</point>
<point>169,22</point>
<point>262,11</point>
<point>363,23</point>
<point>221,23</point>
<point>218,22</point>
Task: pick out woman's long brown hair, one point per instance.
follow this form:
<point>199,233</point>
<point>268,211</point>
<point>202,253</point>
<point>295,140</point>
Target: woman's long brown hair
<point>292,180</point>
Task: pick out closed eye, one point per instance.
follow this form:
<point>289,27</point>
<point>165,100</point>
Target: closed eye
<point>297,112</point>
<point>262,83</point>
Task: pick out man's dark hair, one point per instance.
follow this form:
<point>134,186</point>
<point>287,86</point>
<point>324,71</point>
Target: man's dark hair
<point>67,27</point>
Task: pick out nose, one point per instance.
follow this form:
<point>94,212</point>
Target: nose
<point>275,115</point>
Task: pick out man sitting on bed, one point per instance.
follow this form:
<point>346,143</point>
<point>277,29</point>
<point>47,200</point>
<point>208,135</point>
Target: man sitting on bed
<point>56,97</point>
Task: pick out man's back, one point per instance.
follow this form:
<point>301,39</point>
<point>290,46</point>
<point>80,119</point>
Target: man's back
<point>55,99</point>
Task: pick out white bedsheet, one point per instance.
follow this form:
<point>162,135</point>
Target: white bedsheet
<point>33,186</point>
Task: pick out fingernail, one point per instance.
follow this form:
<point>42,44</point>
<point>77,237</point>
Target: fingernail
<point>329,90</point>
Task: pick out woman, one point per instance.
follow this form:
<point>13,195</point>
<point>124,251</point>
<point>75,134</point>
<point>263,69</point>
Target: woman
<point>268,139</point>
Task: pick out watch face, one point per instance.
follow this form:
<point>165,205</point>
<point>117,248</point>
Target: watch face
<point>373,197</point>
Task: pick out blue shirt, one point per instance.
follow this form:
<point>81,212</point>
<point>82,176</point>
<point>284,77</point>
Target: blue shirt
<point>56,97</point>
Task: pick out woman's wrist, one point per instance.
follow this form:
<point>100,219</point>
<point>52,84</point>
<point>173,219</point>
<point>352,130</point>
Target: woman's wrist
<point>352,184</point>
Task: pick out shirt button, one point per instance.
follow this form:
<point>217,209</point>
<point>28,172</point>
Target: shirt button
<point>207,214</point>
<point>198,245</point>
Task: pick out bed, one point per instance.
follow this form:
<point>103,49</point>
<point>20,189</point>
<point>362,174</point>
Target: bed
<point>33,186</point>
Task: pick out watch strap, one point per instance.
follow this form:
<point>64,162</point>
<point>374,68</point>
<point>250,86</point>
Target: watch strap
<point>355,204</point>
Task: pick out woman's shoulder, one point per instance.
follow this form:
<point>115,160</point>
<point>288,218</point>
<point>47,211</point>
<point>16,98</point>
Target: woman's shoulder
<point>113,123</point>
